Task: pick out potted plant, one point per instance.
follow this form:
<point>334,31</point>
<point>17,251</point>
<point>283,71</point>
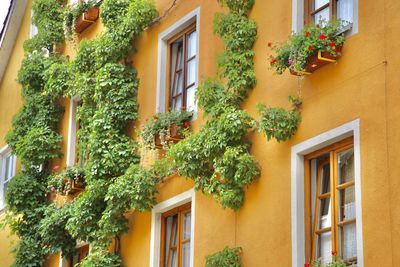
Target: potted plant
<point>336,262</point>
<point>80,16</point>
<point>69,181</point>
<point>310,49</point>
<point>165,128</point>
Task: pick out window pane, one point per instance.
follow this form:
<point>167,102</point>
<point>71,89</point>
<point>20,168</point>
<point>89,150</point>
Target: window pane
<point>324,250</point>
<point>348,242</point>
<point>173,259</point>
<point>325,179</point>
<point>190,99</point>
<point>320,3</point>
<point>177,103</point>
<point>186,225</point>
<point>191,72</point>
<point>10,165</point>
<point>186,254</point>
<point>322,15</point>
<point>192,44</point>
<point>345,10</point>
<point>346,166</point>
<point>171,239</point>
<point>325,213</point>
<point>347,202</point>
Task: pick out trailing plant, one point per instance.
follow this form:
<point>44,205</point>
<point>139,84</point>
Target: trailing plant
<point>62,182</point>
<point>52,230</point>
<point>161,125</point>
<point>228,257</point>
<point>279,123</point>
<point>337,261</point>
<point>218,157</point>
<point>295,53</point>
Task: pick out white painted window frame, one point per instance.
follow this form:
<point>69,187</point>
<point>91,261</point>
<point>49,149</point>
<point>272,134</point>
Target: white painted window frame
<point>162,64</point>
<point>156,220</point>
<point>5,152</point>
<point>298,17</point>
<point>297,186</point>
<point>72,131</point>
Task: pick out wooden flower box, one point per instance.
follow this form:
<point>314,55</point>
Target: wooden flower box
<point>86,19</point>
<point>316,62</point>
<point>175,137</point>
<point>77,186</point>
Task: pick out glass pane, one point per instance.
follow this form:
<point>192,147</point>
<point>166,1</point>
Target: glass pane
<point>186,225</point>
<point>173,260</point>
<point>322,15</point>
<point>177,103</point>
<point>186,254</point>
<point>191,72</point>
<point>192,44</point>
<point>8,168</point>
<point>345,10</point>
<point>320,3</point>
<point>171,239</point>
<point>325,179</point>
<point>347,202</point>
<point>5,185</point>
<point>324,249</point>
<point>325,213</point>
<point>348,242</point>
<point>190,99</point>
<point>177,84</point>
<point>346,166</point>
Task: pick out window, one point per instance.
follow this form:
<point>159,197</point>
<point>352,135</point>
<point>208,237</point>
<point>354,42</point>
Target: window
<point>73,157</point>
<point>80,254</point>
<point>330,205</point>
<point>7,172</point>
<point>316,10</point>
<point>172,231</point>
<point>176,237</point>
<point>177,67</point>
<point>34,28</point>
<point>183,69</point>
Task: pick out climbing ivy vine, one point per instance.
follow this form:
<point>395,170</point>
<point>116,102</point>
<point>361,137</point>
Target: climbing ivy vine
<point>217,158</point>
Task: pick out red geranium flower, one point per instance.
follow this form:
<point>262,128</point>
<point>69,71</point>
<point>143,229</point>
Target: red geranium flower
<point>322,36</point>
<point>333,44</point>
<point>310,48</point>
<point>307,264</point>
<point>66,180</point>
<point>186,124</point>
<point>273,61</point>
<point>308,34</point>
<point>337,50</point>
<point>269,44</point>
<point>334,252</point>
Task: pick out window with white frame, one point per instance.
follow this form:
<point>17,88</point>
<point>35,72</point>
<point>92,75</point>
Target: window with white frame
<point>313,11</point>
<point>178,64</point>
<point>326,197</point>
<point>172,232</point>
<point>73,155</point>
<point>34,28</point>
<point>7,172</point>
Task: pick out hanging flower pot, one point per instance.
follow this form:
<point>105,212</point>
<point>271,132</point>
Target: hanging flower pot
<point>86,19</point>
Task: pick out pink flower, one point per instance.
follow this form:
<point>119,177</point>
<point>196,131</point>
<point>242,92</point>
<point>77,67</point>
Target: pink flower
<point>290,62</point>
<point>56,168</point>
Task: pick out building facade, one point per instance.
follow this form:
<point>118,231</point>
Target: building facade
<point>345,151</point>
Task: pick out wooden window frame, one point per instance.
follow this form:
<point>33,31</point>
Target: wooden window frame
<point>180,211</point>
<point>184,35</point>
<point>309,11</point>
<point>82,252</point>
<point>310,233</point>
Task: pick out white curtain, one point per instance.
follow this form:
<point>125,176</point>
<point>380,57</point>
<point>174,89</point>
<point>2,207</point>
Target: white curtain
<point>345,10</point>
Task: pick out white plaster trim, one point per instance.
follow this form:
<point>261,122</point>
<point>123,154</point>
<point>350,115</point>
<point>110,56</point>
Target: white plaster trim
<point>158,210</point>
<point>162,64</point>
<point>297,186</point>
<point>71,147</point>
<point>5,152</point>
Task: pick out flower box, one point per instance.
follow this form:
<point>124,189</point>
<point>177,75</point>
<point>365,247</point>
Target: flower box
<point>86,19</point>
<point>174,137</point>
<point>316,62</point>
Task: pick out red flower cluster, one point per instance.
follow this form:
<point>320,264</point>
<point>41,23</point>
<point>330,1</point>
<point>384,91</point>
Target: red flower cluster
<point>308,34</point>
<point>66,180</point>
<point>310,48</point>
<point>322,36</point>
<point>186,123</point>
<point>307,264</point>
<point>334,252</point>
<point>273,61</point>
<point>332,44</point>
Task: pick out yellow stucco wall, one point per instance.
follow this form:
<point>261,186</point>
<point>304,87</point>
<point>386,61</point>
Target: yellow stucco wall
<point>363,85</point>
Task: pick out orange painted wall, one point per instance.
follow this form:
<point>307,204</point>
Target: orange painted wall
<point>363,85</point>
